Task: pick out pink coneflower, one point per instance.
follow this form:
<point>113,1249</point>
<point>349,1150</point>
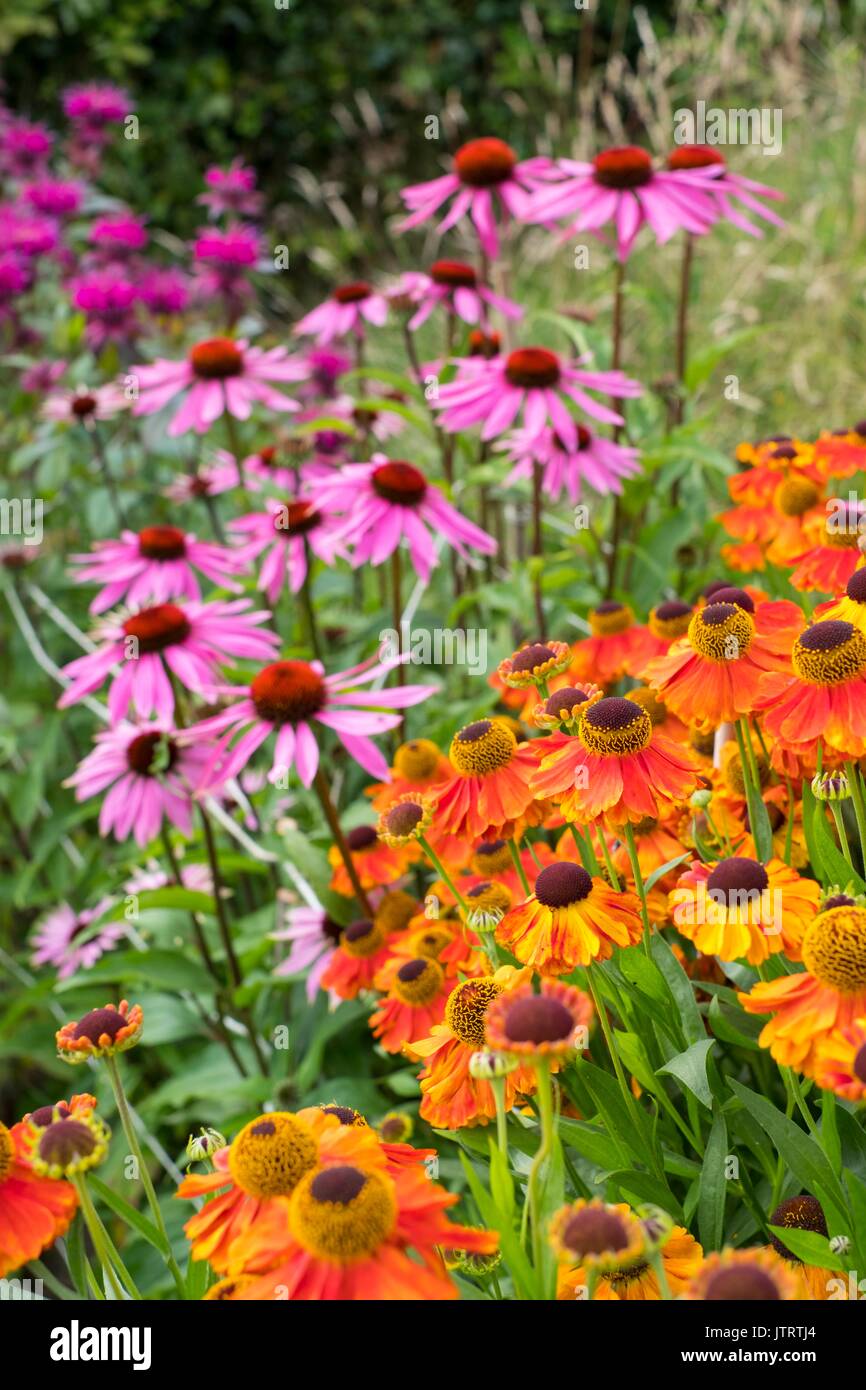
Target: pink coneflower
<point>94,105</point>
<point>40,377</point>
<point>386,501</point>
<point>535,380</point>
<point>345,312</point>
<point>191,641</point>
<point>84,405</point>
<point>55,197</point>
<point>150,775</point>
<point>163,291</point>
<point>727,187</point>
<point>218,375</point>
<point>270,467</point>
<point>63,939</point>
<point>483,171</point>
<point>231,190</point>
<point>209,481</point>
<point>314,937</point>
<point>455,286</point>
<point>107,298</point>
<point>621,186</point>
<point>118,235</point>
<point>196,877</point>
<point>285,698</point>
<point>600,463</point>
<point>24,148</point>
<point>154,565</point>
<point>285,530</point>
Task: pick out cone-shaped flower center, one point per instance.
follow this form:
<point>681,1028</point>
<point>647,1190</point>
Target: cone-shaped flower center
<point>362,837</point>
<point>795,496</point>
<point>670,620</point>
<point>98,1023</point>
<point>287,692</point>
<point>741,1283</point>
<point>538,1019</point>
<point>271,1154</point>
<point>456,274</point>
<point>216,358</point>
<point>419,981</point>
<point>739,597</point>
<point>149,754</point>
<point>467,1008</point>
<point>594,1231</point>
<point>532,368</point>
<point>483,163</point>
<point>345,1114</point>
<point>400,482</point>
<point>66,1142</point>
<point>296,519</point>
<point>416,761</point>
<point>624,166</point>
<point>721,631</point>
<point>860,1064</point>
<point>488,899</point>
<point>829,653</point>
<point>341,1213</point>
<point>856,586</point>
<point>82,405</point>
<point>363,938</point>
<point>161,543</point>
<point>531,657</point>
<point>157,628</point>
<point>694,157</point>
<point>615,726</point>
<point>734,883</point>
<point>401,820</point>
<point>482,747</point>
<point>610,618</point>
<point>354,293</point>
<point>560,885</point>
<point>565,701</point>
<point>803,1213</point>
<point>834,949</point>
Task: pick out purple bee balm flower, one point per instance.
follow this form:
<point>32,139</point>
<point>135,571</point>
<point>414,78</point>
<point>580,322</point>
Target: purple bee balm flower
<point>55,197</point>
<point>96,104</point>
<point>231,190</point>
<point>108,300</point>
<point>118,235</point>
<point>163,291</point>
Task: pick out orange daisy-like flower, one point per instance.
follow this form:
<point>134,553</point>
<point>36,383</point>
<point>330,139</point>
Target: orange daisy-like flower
<point>405,819</point>
<point>418,766</point>
<point>803,1213</point>
<point>376,863</point>
<point>362,952</point>
<point>553,1023</point>
<point>739,908</point>
<point>712,676</point>
<point>840,1065</point>
<point>851,606</point>
<point>616,764</point>
<point>565,707</point>
<point>451,1096</point>
<point>34,1211</point>
<point>742,1276</point>
<point>490,788</point>
<point>833,552</point>
<point>681,1257</point>
<point>808,1008</point>
<point>618,646</point>
<point>101,1033</point>
<point>570,920</point>
<point>534,664</point>
<point>352,1232</point>
<point>825,696</point>
<point>600,1236</point>
<point>415,1002</point>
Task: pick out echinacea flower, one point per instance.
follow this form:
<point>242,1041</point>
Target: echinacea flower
<point>218,375</point>
<point>485,172</point>
<point>742,1276</point>
<point>616,764</point>
<point>456,286</point>
<point>314,937</point>
<point>346,311</point>
<point>68,940</point>
<point>384,502</point>
<point>153,565</point>
<point>34,1211</point>
<point>189,641</point>
<point>713,675</point>
<point>84,405</point>
<point>209,480</point>
<point>151,776</point>
<point>739,908</point>
<point>727,187</point>
<point>810,1007</point>
<point>489,789</point>
<point>570,919</point>
<point>285,698</point>
<point>534,381</point>
<point>552,1023</point>
<point>840,1065</point>
<point>287,531</point>
<point>100,1033</point>
<point>601,464</point>
<point>622,187</point>
<point>825,695</point>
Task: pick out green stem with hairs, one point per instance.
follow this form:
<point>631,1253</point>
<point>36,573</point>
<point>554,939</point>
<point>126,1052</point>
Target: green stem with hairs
<point>633,860</point>
<point>518,864</point>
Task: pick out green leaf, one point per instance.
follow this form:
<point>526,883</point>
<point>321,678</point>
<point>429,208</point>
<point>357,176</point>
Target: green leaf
<point>690,1069</point>
<point>681,988</point>
<point>664,869</point>
<point>806,1160</point>
<point>128,1213</point>
<point>163,969</point>
<point>808,1246</point>
<point>637,1188</point>
<point>831,866</point>
<point>713,1187</point>
<point>521,1271</point>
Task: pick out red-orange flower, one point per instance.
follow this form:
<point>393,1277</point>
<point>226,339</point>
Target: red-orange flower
<point>571,919</point>
<point>825,695</point>
<point>489,791</point>
<point>33,1211</point>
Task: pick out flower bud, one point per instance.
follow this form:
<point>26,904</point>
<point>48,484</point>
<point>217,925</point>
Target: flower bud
<point>204,1145</point>
<point>701,798</point>
<point>831,786</point>
<point>491,1066</point>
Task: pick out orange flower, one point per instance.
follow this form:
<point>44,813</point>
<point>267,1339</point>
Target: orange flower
<point>739,908</point>
<point>840,1065</point>
<point>808,1008</point>
<point>825,696</point>
<point>33,1211</point>
<point>712,676</point>
<point>738,1276</point>
<point>376,863</point>
<point>618,645</point>
<point>615,764</point>
<point>362,952</point>
<point>418,766</point>
<point>490,789</point>
<point>570,920</point>
<point>415,1002</point>
<point>553,1023</point>
<point>851,606</point>
<point>534,664</point>
<point>832,551</point>
<point>350,1230</point>
<point>681,1257</point>
<point>100,1033</point>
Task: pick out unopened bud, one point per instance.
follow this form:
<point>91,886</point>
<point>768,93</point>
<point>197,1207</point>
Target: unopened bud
<point>490,1066</point>
<point>831,786</point>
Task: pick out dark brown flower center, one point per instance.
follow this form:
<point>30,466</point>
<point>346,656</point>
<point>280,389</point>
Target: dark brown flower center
<point>362,837</point>
<point>455,274</point>
<point>860,1064</point>
<point>802,1213</point>
<point>65,1141</point>
<point>825,636</point>
<point>157,628</point>
<point>82,405</point>
<point>216,358</point>
<point>624,166</point>
<point>532,656</point>
<point>344,1113</point>
<point>674,608</point>
<point>532,368</point>
<point>741,1283</point>
<point>402,819</point>
<point>339,1184</point>
<point>538,1020</point>
<point>736,876</point>
<point>483,163</point>
<point>856,586</point>
<point>288,692</point>
<point>562,884</point>
<point>565,699</point>
<point>99,1021</point>
<point>694,157</point>
<point>161,543</point>
<point>400,482</point>
<point>593,1231</point>
<point>296,519</point>
<point>484,344</point>
<point>733,595</point>
<point>142,754</point>
<point>352,294</point>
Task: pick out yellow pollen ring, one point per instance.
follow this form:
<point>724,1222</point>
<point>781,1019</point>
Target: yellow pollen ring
<point>416,761</point>
<point>272,1153</point>
<point>350,1227</point>
<point>669,628</point>
<point>466,1010</point>
<point>725,641</point>
<point>832,666</point>
<point>834,949</point>
<point>608,624</point>
<point>7,1153</point>
<point>491,749</point>
<point>424,987</point>
<point>368,944</point>
<point>631,738</point>
<point>795,496</point>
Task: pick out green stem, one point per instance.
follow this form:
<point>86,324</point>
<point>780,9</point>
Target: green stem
<point>612,874</point>
<point>639,884</point>
<point>585,849</point>
<point>859,806</point>
<point>497,1086</point>
<point>97,1235</point>
<point>601,1011</point>
<point>836,813</point>
<point>545,1112</point>
<point>659,1270</point>
<point>443,873</point>
<point>518,864</point>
